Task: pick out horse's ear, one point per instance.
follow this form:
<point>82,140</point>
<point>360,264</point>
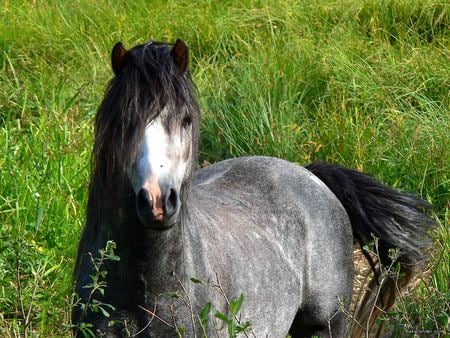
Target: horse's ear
<point>180,55</point>
<point>118,57</point>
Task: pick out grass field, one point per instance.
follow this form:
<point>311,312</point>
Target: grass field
<point>362,83</point>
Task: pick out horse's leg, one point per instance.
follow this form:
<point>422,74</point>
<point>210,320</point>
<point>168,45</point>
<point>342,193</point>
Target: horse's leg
<point>320,313</point>
<point>314,321</point>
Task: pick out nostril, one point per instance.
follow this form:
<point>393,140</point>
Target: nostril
<point>171,202</point>
<point>144,201</point>
<point>173,197</point>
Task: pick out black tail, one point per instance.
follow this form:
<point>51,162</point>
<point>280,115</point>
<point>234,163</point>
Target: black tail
<point>395,219</point>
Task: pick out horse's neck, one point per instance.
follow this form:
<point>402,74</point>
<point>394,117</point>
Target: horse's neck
<point>153,257</point>
<point>148,256</point>
<point>162,265</point>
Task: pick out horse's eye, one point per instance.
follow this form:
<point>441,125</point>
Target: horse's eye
<point>187,121</point>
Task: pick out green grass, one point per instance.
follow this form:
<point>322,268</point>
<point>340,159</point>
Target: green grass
<point>362,83</point>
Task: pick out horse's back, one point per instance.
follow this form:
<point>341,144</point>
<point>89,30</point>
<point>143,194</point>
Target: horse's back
<point>268,184</point>
<point>289,231</point>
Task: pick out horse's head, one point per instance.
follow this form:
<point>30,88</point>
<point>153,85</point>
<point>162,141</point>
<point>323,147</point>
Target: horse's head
<point>147,129</point>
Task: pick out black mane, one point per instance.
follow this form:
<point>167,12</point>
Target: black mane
<point>149,82</point>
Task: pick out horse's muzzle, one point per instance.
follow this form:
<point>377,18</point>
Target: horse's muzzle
<point>157,207</point>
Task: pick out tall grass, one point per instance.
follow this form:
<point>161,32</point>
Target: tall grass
<point>362,83</point>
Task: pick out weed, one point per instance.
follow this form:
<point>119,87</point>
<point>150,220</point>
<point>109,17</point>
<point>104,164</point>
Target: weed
<point>97,288</point>
<point>232,320</point>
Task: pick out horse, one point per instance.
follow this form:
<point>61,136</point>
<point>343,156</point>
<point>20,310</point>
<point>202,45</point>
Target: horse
<point>257,234</point>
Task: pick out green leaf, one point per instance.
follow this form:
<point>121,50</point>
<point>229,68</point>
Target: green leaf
<point>232,329</point>
<point>104,312</point>
<point>243,327</point>
<point>235,304</point>
<point>181,330</point>
<point>110,306</point>
<point>222,317</point>
<point>205,312</point>
<point>113,257</point>
<point>174,295</point>
<point>86,329</point>
<point>49,271</point>
<point>196,280</point>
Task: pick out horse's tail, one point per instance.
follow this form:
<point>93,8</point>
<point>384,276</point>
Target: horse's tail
<point>395,220</point>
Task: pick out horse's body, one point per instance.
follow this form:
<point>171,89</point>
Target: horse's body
<point>250,219</point>
<point>259,226</point>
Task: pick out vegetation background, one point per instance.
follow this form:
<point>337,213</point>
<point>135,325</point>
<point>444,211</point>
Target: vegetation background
<point>361,83</point>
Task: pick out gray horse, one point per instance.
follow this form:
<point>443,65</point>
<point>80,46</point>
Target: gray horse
<point>278,233</point>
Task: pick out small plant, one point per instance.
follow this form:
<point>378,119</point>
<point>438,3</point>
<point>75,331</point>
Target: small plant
<point>97,287</point>
<point>402,318</point>
<point>232,319</point>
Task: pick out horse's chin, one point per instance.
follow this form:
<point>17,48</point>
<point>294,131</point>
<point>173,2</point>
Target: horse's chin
<point>158,225</point>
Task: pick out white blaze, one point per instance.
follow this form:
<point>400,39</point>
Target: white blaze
<point>160,156</point>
